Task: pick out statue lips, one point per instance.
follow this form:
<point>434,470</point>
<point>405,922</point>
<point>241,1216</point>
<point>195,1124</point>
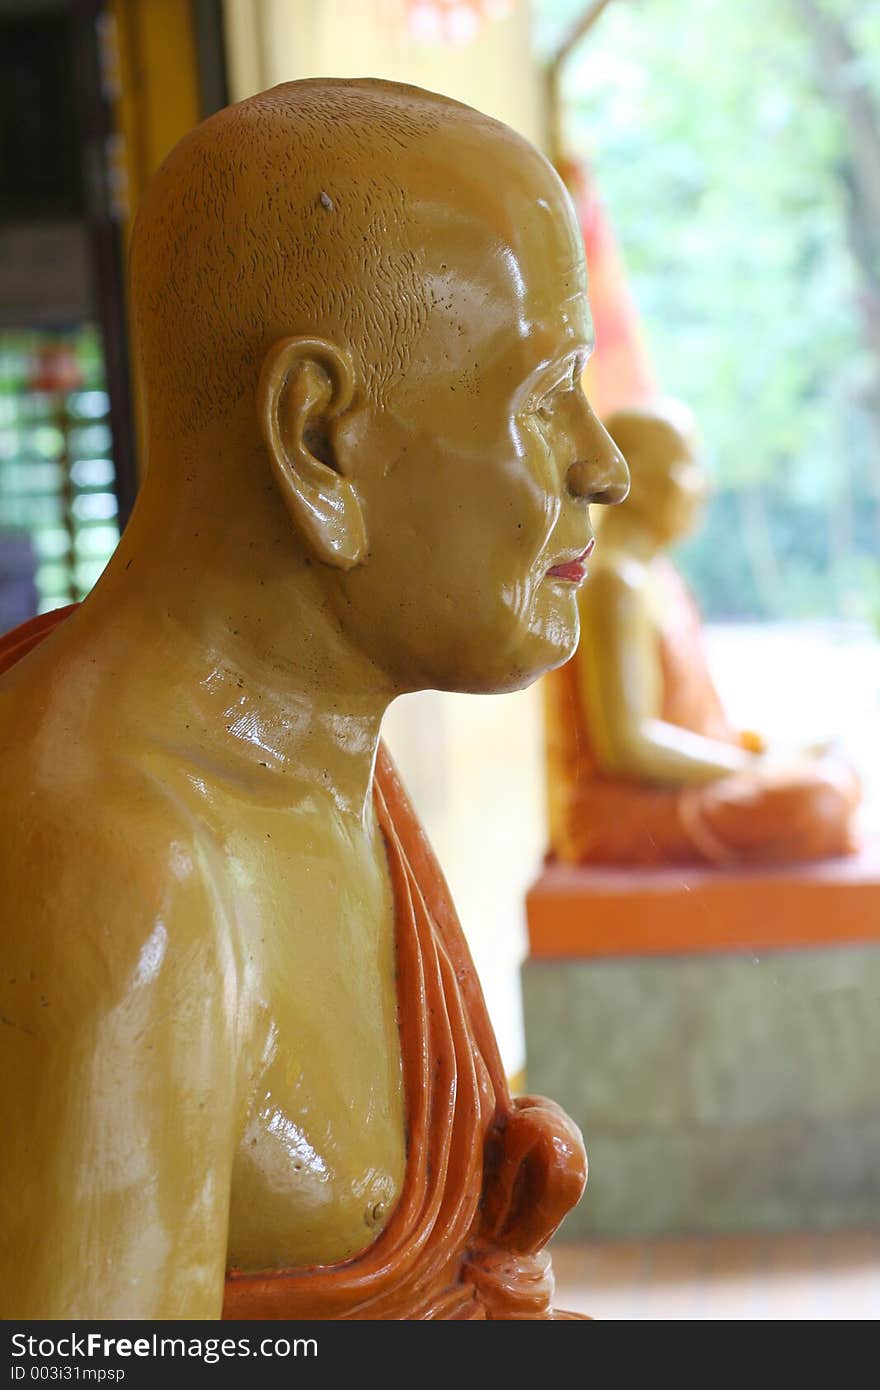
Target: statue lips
<point>574,570</point>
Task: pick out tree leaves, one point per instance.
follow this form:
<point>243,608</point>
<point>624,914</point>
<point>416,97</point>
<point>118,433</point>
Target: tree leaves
<point>724,163</point>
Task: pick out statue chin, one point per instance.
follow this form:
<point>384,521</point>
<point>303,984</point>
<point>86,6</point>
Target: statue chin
<point>517,665</point>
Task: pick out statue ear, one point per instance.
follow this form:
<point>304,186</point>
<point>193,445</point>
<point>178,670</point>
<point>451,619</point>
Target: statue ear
<point>304,384</point>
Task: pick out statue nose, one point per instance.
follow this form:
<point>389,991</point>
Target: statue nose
<point>600,474</point>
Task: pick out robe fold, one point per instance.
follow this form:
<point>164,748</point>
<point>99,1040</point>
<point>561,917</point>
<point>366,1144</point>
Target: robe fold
<point>488,1178</point>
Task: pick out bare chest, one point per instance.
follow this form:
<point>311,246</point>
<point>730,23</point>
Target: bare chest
<point>320,1160</point>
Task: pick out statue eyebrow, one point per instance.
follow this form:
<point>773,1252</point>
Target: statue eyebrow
<point>558,369</point>
<point>568,364</point>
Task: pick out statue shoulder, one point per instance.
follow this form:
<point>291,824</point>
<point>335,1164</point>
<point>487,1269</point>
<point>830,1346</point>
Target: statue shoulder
<point>101,888</point>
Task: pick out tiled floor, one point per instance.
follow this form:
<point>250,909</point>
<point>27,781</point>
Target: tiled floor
<point>813,1277</point>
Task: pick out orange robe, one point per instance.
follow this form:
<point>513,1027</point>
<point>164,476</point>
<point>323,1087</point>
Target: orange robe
<point>488,1178</point>
<point>746,818</point>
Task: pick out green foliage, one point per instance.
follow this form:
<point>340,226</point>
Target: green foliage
<point>723,166</point>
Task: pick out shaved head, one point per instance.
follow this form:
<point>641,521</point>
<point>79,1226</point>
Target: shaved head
<point>650,437</point>
<point>361,318</point>
<point>285,214</point>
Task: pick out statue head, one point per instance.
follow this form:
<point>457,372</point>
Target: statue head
<point>360,312</point>
<point>668,482</point>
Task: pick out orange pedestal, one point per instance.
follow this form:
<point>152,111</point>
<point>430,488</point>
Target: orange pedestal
<point>623,912</point>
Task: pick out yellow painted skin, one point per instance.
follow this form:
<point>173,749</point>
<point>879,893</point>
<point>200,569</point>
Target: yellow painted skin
<point>618,657</point>
<point>621,608</point>
<point>200,1058</point>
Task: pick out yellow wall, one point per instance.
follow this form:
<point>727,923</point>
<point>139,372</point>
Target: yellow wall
<point>270,41</point>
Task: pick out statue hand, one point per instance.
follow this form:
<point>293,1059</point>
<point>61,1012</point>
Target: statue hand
<point>752,741</point>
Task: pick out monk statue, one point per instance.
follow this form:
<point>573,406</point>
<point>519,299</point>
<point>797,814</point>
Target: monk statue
<point>644,767</point>
<point>247,1069</point>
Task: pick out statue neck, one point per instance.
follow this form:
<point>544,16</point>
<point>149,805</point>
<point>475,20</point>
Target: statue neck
<point>228,639</point>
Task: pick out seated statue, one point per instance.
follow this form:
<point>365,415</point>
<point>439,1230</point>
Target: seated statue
<point>644,766</point>
<point>247,1069</point>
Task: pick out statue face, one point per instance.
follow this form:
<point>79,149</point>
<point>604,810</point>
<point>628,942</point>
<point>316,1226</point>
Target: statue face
<point>675,504</point>
<point>475,476</point>
<point>689,493</point>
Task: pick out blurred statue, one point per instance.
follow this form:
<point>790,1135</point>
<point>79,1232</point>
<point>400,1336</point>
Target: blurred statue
<point>246,1061</point>
<point>644,766</point>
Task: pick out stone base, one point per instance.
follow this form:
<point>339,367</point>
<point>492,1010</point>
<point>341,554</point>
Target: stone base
<point>718,1090</point>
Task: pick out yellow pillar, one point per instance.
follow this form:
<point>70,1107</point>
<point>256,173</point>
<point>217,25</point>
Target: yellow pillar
<point>149,62</point>
<point>158,86</point>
